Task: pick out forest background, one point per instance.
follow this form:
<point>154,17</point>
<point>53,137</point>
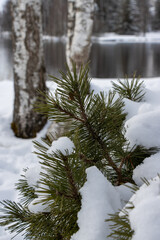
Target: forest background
<point>122,16</point>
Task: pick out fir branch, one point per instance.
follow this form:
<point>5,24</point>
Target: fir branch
<point>76,194</point>
<point>123,161</point>
<point>94,134</point>
<point>15,217</point>
<point>27,193</point>
<point>121,229</point>
<point>86,160</point>
<point>89,113</point>
<point>133,90</point>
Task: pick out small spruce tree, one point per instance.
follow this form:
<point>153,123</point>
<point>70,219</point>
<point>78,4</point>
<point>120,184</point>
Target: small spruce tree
<point>96,126</point>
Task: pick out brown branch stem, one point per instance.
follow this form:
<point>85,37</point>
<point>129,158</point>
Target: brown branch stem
<point>68,113</point>
<point>97,138</point>
<point>70,178</point>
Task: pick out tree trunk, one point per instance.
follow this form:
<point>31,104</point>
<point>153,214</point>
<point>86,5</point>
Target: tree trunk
<point>80,25</point>
<point>70,28</point>
<point>29,71</point>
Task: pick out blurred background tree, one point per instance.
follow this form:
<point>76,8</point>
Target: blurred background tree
<point>80,26</point>
<point>105,15</point>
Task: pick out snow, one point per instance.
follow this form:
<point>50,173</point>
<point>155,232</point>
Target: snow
<point>125,192</point>
<point>107,38</point>
<point>143,127</point>
<point>55,38</point>
<point>33,175</point>
<point>15,154</point>
<point>63,144</point>
<point>145,217</point>
<point>99,198</point>
<point>113,37</point>
<point>38,207</point>
<point>66,146</point>
<point>148,169</point>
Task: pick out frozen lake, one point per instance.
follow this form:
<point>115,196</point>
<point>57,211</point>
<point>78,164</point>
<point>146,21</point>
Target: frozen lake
<point>108,60</point>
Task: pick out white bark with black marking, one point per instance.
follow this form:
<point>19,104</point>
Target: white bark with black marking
<point>79,36</point>
<point>29,71</point>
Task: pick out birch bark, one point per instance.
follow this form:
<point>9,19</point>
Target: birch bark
<point>80,26</point>
<point>29,71</point>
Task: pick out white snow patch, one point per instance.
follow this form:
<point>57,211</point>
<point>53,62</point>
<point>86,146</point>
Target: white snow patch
<point>63,144</point>
<point>144,129</point>
<point>99,198</point>
<point>113,37</point>
<point>142,123</point>
<point>33,175</point>
<point>38,207</point>
<point>126,192</point>
<point>145,216</point>
<point>148,169</point>
<point>131,108</point>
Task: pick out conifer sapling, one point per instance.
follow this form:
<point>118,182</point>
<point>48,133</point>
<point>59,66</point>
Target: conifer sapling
<point>96,128</point>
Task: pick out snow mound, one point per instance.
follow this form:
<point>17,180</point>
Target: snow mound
<point>126,192</point>
<point>36,206</point>
<point>63,144</point>
<point>145,217</point>
<point>142,125</point>
<point>148,169</point>
<point>144,129</point>
<point>99,198</point>
<point>33,175</point>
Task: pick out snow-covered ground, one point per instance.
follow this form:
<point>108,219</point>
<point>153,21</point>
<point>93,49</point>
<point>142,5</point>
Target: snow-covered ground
<point>142,127</point>
<point>15,154</point>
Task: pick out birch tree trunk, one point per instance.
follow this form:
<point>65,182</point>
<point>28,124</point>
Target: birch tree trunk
<point>70,28</point>
<point>29,71</point>
<point>80,26</point>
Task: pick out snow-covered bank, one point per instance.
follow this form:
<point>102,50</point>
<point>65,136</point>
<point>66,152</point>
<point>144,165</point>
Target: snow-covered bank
<point>103,38</point>
<point>113,37</point>
<point>16,154</point>
<point>5,34</point>
<point>55,38</point>
<point>150,37</point>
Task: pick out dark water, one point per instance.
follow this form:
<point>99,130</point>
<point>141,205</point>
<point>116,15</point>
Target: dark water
<point>5,59</point>
<point>119,59</point>
<point>110,60</point>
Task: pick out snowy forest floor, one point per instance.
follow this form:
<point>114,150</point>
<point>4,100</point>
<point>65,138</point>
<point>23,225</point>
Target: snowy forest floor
<point>16,154</point>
